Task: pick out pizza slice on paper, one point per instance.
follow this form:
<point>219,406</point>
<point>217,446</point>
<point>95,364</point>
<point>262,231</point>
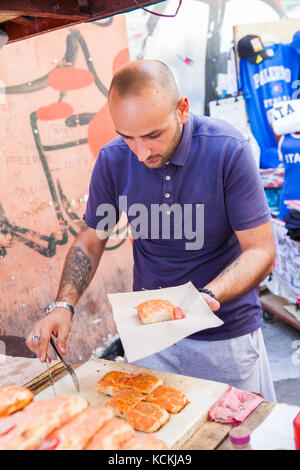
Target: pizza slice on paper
<point>157,310</point>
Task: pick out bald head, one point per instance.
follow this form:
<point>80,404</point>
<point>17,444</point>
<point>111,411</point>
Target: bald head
<point>133,78</point>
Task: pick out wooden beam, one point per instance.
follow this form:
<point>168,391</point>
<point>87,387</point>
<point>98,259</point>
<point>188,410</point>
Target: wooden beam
<point>7,16</point>
<point>19,28</point>
<point>19,31</point>
<point>71,9</point>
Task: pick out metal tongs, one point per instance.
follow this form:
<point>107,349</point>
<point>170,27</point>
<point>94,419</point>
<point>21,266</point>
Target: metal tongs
<point>67,366</point>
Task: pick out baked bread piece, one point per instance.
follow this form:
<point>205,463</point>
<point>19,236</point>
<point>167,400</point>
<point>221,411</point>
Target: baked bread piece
<point>143,383</point>
<point>76,433</point>
<point>13,398</point>
<point>157,310</point>
<point>171,399</point>
<point>111,436</point>
<point>26,429</point>
<point>147,417</point>
<point>112,382</point>
<point>123,401</point>
<point>144,442</point>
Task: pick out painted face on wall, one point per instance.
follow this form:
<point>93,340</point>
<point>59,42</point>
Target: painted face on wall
<point>149,124</point>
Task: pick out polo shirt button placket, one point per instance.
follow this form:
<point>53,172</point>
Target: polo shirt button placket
<point>168,189</point>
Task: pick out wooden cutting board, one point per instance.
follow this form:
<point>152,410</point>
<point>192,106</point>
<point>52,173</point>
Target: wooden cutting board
<point>202,394</point>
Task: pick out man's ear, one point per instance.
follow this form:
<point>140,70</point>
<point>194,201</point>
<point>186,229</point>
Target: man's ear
<point>183,109</point>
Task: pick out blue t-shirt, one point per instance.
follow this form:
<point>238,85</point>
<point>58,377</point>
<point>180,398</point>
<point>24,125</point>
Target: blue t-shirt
<point>289,152</point>
<point>212,165</point>
<point>263,86</point>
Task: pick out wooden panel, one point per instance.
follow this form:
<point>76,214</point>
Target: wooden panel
<point>9,15</point>
<point>201,393</point>
<point>17,30</point>
<point>70,9</point>
<point>49,16</point>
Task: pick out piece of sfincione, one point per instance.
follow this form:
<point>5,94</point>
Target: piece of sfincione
<point>157,310</point>
<point>144,442</point>
<point>111,436</point>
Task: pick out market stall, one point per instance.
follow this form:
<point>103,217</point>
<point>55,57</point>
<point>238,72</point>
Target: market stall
<point>201,425</point>
<point>263,76</point>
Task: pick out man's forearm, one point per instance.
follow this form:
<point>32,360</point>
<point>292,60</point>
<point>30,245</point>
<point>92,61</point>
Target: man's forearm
<point>246,272</point>
<point>79,269</point>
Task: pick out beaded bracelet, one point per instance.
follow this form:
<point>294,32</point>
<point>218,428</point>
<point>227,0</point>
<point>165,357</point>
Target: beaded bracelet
<point>206,291</point>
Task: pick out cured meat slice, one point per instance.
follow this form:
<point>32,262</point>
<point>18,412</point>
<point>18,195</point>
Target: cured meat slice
<point>147,417</point>
<point>144,442</point>
<point>111,436</point>
<point>143,383</point>
<point>171,399</point>
<point>157,310</point>
<point>13,398</point>
<point>27,428</point>
<point>76,433</point>
<point>123,401</point>
<point>112,382</point>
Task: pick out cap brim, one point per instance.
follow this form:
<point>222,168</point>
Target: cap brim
<point>262,54</point>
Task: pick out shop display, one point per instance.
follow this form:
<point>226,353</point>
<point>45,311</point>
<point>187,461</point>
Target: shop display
<point>267,76</point>
<point>289,152</point>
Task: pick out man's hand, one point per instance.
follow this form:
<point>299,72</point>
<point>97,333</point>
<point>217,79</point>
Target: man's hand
<point>211,302</point>
<point>57,323</point>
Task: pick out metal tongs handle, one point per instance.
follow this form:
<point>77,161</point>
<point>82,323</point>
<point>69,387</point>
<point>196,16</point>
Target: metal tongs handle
<point>69,368</point>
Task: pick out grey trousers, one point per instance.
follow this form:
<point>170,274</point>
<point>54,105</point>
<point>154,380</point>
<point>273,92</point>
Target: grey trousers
<point>240,362</point>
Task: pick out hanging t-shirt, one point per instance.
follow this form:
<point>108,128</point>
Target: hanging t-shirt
<point>263,86</point>
<point>289,153</point>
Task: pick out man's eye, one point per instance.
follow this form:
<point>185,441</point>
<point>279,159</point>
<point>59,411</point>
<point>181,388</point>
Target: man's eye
<point>155,136</point>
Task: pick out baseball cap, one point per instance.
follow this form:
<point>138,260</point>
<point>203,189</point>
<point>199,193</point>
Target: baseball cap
<point>252,49</point>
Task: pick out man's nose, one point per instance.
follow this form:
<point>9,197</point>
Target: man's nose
<point>142,151</point>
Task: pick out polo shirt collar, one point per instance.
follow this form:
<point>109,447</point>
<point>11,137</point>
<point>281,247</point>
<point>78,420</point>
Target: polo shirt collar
<point>180,154</point>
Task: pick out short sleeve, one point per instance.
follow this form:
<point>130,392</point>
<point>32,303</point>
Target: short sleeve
<point>102,212</point>
<point>245,198</point>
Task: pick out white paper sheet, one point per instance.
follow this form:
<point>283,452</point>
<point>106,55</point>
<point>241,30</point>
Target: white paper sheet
<point>143,340</point>
<point>276,431</point>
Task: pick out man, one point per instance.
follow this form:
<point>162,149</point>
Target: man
<point>168,157</point>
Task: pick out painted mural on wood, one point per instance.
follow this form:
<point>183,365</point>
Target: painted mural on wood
<point>54,119</point>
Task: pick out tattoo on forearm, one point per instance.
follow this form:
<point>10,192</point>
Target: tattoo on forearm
<point>231,267</point>
<point>77,270</point>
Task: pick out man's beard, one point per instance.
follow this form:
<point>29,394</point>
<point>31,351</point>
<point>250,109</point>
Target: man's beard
<point>174,144</point>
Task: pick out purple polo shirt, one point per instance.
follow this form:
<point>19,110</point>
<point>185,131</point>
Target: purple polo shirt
<point>212,166</point>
